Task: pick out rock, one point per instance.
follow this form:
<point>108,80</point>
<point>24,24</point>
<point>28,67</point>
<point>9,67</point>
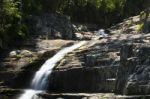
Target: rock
<point>85,27</point>
<point>125,66</point>
<point>88,96</point>
<point>133,75</point>
<point>53,26</point>
<point>92,70</point>
<point>90,60</point>
<point>84,35</point>
<point>19,53</point>
<point>26,53</point>
<point>139,79</point>
<point>79,36</point>
<point>82,28</point>
<point>82,80</point>
<point>8,93</point>
<point>13,54</point>
<point>101,32</point>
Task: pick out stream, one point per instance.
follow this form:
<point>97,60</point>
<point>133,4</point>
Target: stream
<point>39,82</point>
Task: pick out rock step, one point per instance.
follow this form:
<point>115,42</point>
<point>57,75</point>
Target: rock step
<point>6,75</point>
<point>12,94</point>
<point>8,93</point>
<point>88,79</point>
<point>89,96</point>
<point>2,85</point>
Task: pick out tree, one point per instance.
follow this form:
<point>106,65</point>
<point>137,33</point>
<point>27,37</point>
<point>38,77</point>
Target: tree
<point>9,27</point>
<point>146,28</point>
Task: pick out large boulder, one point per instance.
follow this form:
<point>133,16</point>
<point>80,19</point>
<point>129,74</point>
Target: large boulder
<point>133,77</point>
<point>53,26</point>
<point>122,74</point>
<point>139,80</point>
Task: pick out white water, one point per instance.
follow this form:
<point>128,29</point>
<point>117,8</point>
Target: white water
<point>102,33</point>
<point>40,80</point>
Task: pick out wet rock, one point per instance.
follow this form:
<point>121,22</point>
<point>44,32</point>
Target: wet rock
<point>18,70</point>
<point>87,70</point>
<point>89,96</point>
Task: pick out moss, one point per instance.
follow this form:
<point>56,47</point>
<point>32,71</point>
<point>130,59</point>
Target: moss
<point>142,15</point>
<point>139,27</point>
<point>18,56</point>
<point>32,59</point>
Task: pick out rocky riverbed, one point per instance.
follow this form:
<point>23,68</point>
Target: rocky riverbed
<point>114,67</point>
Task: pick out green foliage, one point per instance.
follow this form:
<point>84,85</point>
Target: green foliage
<point>142,15</point>
<point>13,13</point>
<point>139,27</point>
<point>10,8</point>
<point>100,11</point>
<point>132,7</point>
<point>11,27</point>
<point>31,7</point>
<point>93,11</point>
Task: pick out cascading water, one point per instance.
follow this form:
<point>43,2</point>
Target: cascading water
<point>40,80</point>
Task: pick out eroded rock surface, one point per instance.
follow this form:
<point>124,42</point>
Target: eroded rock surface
<point>18,69</point>
<point>88,70</point>
<point>116,64</point>
<point>134,70</point>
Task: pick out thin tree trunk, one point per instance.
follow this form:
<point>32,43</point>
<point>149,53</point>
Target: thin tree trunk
<point>146,23</point>
<point>1,23</point>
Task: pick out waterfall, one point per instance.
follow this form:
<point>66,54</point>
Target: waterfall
<point>40,79</point>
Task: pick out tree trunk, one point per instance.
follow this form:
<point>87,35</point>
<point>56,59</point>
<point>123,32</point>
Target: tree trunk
<point>146,28</point>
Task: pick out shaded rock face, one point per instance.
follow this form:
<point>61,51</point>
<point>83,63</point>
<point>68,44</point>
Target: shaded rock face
<point>53,26</point>
<point>83,80</point>
<point>92,70</point>
<point>20,65</point>
<point>23,77</point>
<point>9,93</point>
<point>146,28</point>
<point>133,75</point>
<point>126,52</point>
<point>87,69</point>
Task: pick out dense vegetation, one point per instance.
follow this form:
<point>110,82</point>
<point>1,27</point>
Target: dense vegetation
<point>104,12</point>
<point>13,13</point>
<point>11,27</point>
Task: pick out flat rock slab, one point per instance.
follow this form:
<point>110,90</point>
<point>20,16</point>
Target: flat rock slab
<point>89,96</point>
